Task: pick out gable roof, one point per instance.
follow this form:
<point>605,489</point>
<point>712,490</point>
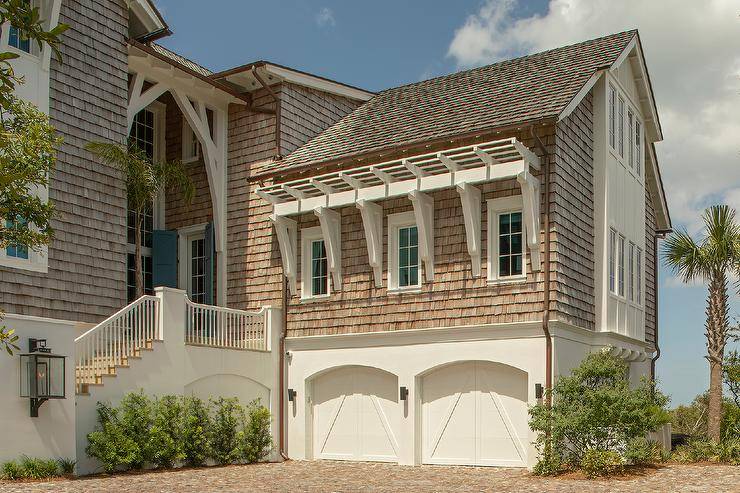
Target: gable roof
<point>511,92</point>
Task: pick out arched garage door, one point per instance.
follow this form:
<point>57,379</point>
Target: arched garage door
<point>475,413</point>
<point>356,415</point>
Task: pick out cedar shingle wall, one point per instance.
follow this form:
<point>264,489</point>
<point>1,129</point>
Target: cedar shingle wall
<point>87,259</point>
<point>650,274</point>
<point>572,216</point>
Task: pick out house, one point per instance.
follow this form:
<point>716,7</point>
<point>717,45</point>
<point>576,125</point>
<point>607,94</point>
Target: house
<point>397,275</point>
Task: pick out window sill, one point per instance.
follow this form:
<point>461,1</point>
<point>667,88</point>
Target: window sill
<point>404,290</point>
<point>315,299</point>
<point>23,264</point>
<point>507,280</point>
<point>22,54</point>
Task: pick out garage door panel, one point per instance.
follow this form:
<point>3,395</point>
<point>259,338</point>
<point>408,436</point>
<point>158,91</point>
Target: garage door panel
<point>499,443</point>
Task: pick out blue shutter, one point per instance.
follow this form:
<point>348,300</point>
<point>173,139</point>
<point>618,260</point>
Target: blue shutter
<point>210,255</point>
<point>164,258</point>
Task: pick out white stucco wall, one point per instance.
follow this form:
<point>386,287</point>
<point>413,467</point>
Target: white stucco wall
<point>52,433</point>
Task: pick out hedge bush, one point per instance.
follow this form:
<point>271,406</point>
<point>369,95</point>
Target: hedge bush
<point>173,430</point>
<point>596,462</point>
<point>35,468</point>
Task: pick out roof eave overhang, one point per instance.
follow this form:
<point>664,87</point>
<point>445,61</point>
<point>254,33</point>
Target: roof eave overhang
<point>655,186</point>
<point>151,19</point>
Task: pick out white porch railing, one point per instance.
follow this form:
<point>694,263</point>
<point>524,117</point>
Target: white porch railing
<point>215,326</point>
<point>113,341</point>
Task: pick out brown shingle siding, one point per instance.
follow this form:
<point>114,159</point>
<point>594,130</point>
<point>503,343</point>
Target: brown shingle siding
<point>650,274</point>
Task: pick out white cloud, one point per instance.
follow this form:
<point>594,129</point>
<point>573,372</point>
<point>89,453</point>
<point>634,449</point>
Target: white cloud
<point>691,49</point>
<point>325,18</point>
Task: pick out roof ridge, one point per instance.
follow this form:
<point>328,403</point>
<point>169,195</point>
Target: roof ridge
<point>510,60</point>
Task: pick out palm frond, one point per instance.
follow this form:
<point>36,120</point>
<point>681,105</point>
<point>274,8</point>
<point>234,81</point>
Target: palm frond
<point>684,256</point>
<point>722,243</point>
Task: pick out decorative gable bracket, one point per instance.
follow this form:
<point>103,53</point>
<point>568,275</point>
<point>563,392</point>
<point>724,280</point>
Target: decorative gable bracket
<point>471,205</point>
<point>531,211</point>
<point>287,235</point>
<point>331,229</point>
<point>424,214</point>
<point>372,221</point>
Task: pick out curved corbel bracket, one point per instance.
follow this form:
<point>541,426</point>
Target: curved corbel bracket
<point>331,229</point>
<point>471,205</point>
<point>372,221</point>
<point>287,235</point>
<point>424,215</point>
<point>531,210</point>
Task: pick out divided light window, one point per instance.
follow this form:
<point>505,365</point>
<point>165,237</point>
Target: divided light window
<point>612,115</point>
<point>15,250</point>
<point>639,275</point>
<point>18,39</point>
<point>198,270</point>
<point>319,269</point>
<point>510,239</point>
<point>631,273</point>
<point>612,260</point>
<point>630,138</point>
<point>620,260</point>
<point>408,256</point>
<point>620,128</point>
<point>638,146</point>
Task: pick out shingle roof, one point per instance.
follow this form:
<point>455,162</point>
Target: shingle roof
<point>506,93</point>
<point>181,60</point>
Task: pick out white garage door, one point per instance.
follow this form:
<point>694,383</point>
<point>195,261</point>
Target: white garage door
<point>356,414</point>
<point>475,413</point>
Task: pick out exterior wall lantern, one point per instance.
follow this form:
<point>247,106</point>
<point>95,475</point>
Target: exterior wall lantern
<point>403,393</point>
<point>42,375</point>
<point>291,395</point>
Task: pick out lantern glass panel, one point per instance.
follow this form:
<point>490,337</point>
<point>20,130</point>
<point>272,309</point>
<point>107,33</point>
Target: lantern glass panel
<point>42,376</point>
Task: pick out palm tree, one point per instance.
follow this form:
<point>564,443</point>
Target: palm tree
<point>145,181</point>
<point>712,259</point>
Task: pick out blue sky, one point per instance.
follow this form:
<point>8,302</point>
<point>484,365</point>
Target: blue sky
<point>379,44</point>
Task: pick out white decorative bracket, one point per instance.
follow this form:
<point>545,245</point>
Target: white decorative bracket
<point>471,206</point>
<point>331,228</point>
<point>424,214</point>
<point>287,235</point>
<point>372,220</point>
<point>531,211</point>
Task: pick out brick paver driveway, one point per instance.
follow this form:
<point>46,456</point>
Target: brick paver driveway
<point>343,476</point>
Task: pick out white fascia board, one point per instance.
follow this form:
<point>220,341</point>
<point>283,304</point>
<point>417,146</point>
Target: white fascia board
<point>331,229</point>
<point>590,83</point>
<point>531,211</point>
<point>372,222</point>
<point>146,14</point>
<point>470,197</point>
<point>424,214</point>
<point>307,80</point>
<point>287,235</point>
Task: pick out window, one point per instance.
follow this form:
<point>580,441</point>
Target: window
<point>315,264</point>
<point>18,39</point>
<point>620,128</point>
<point>620,259</point>
<point>404,267</point>
<point>630,138</point>
<point>612,115</point>
<point>638,147</point>
<point>631,273</point>
<point>146,267</point>
<point>190,143</point>
<point>197,278</point>
<point>639,275</point>
<point>16,250</point>
<point>506,240</point>
<point>612,260</point>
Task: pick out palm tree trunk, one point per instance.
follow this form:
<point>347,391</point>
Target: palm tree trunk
<point>138,267</point>
<point>717,328</point>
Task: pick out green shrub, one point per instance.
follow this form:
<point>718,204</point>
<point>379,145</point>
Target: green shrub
<point>549,464</point>
<point>35,468</point>
<point>165,436</point>
<point>109,443</point>
<point>729,450</point>
<point>66,466</point>
<point>641,451</point>
<point>136,418</point>
<point>696,450</point>
<point>595,408</point>
<point>226,430</point>
<point>12,470</point>
<point>595,463</point>
<point>256,440</point>
<point>195,431</point>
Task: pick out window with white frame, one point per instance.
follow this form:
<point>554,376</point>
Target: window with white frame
<point>620,127</point>
<point>630,138</point>
<point>638,147</point>
<point>190,143</point>
<point>620,264</point>
<point>15,250</point>
<point>506,240</point>
<point>18,39</point>
<point>638,262</point>
<point>612,116</point>
<point>612,261</point>
<point>197,289</point>
<point>404,266</point>
<point>314,264</point>
<point>631,273</point>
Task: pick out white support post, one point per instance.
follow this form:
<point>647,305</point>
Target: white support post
<point>424,214</point>
<point>331,228</point>
<point>287,235</point>
<point>470,197</point>
<point>531,211</point>
<point>372,221</point>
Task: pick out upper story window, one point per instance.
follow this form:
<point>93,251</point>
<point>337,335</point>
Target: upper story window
<point>612,115</point>
<point>631,273</point>
<point>612,261</point>
<point>190,144</point>
<point>15,250</point>
<point>18,39</point>
<point>506,239</point>
<point>315,264</point>
<point>404,267</point>
<point>638,147</point>
<point>620,127</point>
<point>620,264</point>
<point>630,138</point>
<point>638,262</point>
